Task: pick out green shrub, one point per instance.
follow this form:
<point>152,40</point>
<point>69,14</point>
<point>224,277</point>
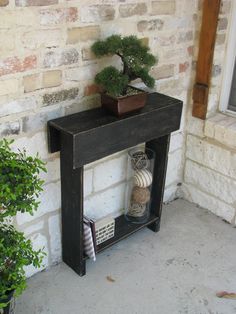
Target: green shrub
<point>19,181</point>
<point>15,253</point>
<point>20,185</point>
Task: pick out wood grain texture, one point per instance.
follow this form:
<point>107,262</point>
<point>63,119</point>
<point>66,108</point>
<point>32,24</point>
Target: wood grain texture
<point>97,134</point>
<point>93,134</point>
<point>161,148</point>
<point>210,15</point>
<point>72,208</point>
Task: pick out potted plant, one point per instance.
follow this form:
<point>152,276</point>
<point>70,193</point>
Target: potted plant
<point>20,186</point>
<point>118,96</point>
<point>15,253</point>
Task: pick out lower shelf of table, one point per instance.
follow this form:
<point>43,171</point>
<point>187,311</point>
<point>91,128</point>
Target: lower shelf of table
<point>123,229</point>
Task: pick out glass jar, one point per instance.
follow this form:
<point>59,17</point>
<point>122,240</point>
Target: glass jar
<point>139,184</point>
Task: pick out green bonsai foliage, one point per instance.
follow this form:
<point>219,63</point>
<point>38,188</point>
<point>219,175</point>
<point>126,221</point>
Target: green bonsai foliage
<point>136,60</point>
<point>19,181</point>
<point>15,253</point>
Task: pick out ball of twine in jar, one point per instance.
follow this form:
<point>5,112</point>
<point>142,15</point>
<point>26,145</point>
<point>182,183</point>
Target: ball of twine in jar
<point>136,210</point>
<point>139,160</point>
<point>140,195</point>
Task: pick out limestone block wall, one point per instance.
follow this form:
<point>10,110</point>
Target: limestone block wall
<point>210,159</point>
<point>47,71</point>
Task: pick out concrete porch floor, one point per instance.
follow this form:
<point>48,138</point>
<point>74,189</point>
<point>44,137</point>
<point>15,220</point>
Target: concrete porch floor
<point>177,270</point>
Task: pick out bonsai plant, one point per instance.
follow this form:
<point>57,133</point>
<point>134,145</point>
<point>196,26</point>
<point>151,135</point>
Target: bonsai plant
<point>20,186</point>
<point>136,62</point>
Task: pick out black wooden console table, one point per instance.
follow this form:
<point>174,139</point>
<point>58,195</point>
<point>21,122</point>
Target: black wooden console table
<point>87,136</point>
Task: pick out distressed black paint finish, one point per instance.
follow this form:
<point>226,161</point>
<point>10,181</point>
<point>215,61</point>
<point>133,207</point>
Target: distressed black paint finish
<point>71,208</point>
<point>161,147</point>
<point>87,136</point>
<point>97,134</point>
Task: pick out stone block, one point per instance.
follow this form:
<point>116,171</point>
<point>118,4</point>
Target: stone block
<point>110,201</point>
<point>222,128</point>
<point>163,71</point>
<point>183,67</point>
<point>145,41</point>
<point>7,42</point>
<point>151,25</point>
<point>58,57</point>
<point>190,50</point>
<point>31,82</point>
<point>185,37</point>
<point>220,39</point>
<point>39,241</point>
<point>20,17</point>
<point>87,54</point>
<point>4,3</point>
<point>163,7</point>
<point>211,155</point>
<point>62,95</point>
<point>10,128</point>
<point>53,171</point>
<point>176,141</point>
<point>216,206</point>
<point>131,9</point>
<point>58,16</point>
<point>29,3</point>
<point>50,200</point>
<point>52,78</point>
<point>216,70</point>
<point>97,13</point>
<point>13,65</point>
<point>174,172</point>
<point>34,227</point>
<point>38,121</point>
<point>29,143</point>
<point>8,87</point>
<point>92,89</point>
<point>230,138</point>
<point>88,182</point>
<point>170,193</point>
<point>225,7</point>
<point>222,24</point>
<point>7,19</point>
<point>194,125</point>
<point>85,73</point>
<point>54,228</point>
<point>165,40</point>
<point>17,106</point>
<point>78,34</point>
<point>36,39</point>
<point>210,181</point>
<point>110,172</point>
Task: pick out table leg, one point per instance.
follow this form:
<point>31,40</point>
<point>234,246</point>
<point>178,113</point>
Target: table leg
<point>161,147</point>
<point>72,208</point>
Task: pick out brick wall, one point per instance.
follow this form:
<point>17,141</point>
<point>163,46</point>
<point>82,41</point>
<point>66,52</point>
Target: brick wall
<point>47,71</point>
<point>210,160</point>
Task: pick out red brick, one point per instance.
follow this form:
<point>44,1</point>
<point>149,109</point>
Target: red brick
<point>183,67</point>
<point>14,65</point>
<point>28,3</point>
<point>92,89</point>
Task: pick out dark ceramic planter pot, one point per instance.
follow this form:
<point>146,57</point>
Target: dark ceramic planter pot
<point>7,299</point>
<point>120,106</point>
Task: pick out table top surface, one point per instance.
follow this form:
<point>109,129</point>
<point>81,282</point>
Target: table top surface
<point>98,117</point>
